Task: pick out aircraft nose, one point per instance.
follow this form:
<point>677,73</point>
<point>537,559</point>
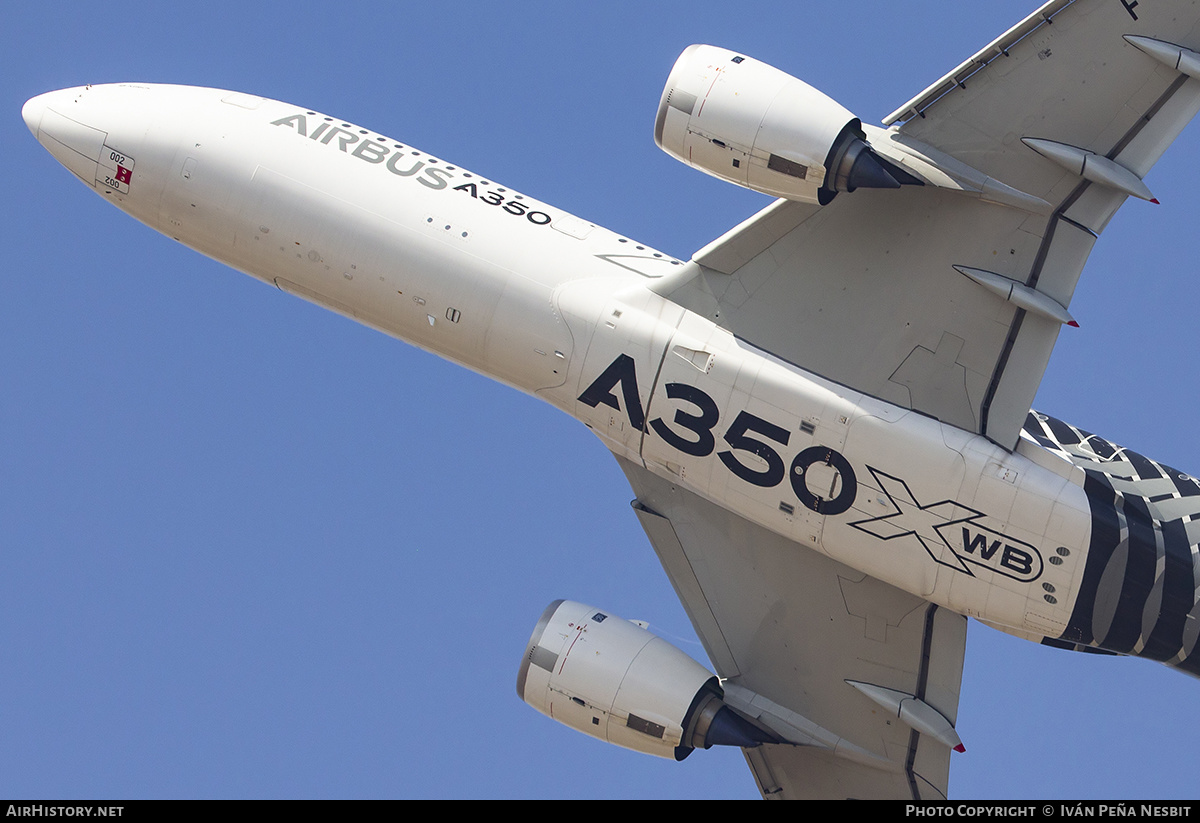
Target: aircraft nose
<point>77,127</point>
<point>62,101</point>
<point>32,112</point>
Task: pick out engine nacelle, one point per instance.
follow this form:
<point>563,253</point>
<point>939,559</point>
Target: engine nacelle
<point>751,124</point>
<point>614,680</point>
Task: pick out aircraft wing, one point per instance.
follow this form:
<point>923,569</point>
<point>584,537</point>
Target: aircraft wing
<point>880,291</point>
<point>796,629</point>
<point>865,291</point>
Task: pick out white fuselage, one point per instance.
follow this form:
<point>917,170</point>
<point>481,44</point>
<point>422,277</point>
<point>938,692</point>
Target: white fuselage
<point>562,309</point>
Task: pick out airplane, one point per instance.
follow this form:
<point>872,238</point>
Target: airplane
<point>1011,558</point>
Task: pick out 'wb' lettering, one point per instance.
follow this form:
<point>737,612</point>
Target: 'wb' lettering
<point>1011,557</point>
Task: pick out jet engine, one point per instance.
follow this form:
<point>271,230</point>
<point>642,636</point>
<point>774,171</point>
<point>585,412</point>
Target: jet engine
<point>612,679</point>
<point>751,124</point>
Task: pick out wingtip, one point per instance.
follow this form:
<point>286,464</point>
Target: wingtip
<point>1073,324</point>
<point>1154,200</point>
<point>960,748</point>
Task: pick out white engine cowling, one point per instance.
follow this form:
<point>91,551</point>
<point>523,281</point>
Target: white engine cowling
<point>751,124</point>
<point>614,680</point>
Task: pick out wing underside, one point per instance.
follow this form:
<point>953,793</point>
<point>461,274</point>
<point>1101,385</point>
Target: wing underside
<point>945,298</point>
<point>870,291</point>
<point>792,628</point>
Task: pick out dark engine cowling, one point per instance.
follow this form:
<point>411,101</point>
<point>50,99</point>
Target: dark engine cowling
<point>612,679</point>
<point>749,123</point>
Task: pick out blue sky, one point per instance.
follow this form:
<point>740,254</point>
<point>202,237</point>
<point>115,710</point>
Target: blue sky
<point>251,549</point>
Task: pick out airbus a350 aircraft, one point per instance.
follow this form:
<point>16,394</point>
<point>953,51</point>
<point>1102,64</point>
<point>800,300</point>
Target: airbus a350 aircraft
<point>823,414</point>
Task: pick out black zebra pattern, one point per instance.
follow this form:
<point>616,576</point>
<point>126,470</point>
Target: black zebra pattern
<point>1141,583</point>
